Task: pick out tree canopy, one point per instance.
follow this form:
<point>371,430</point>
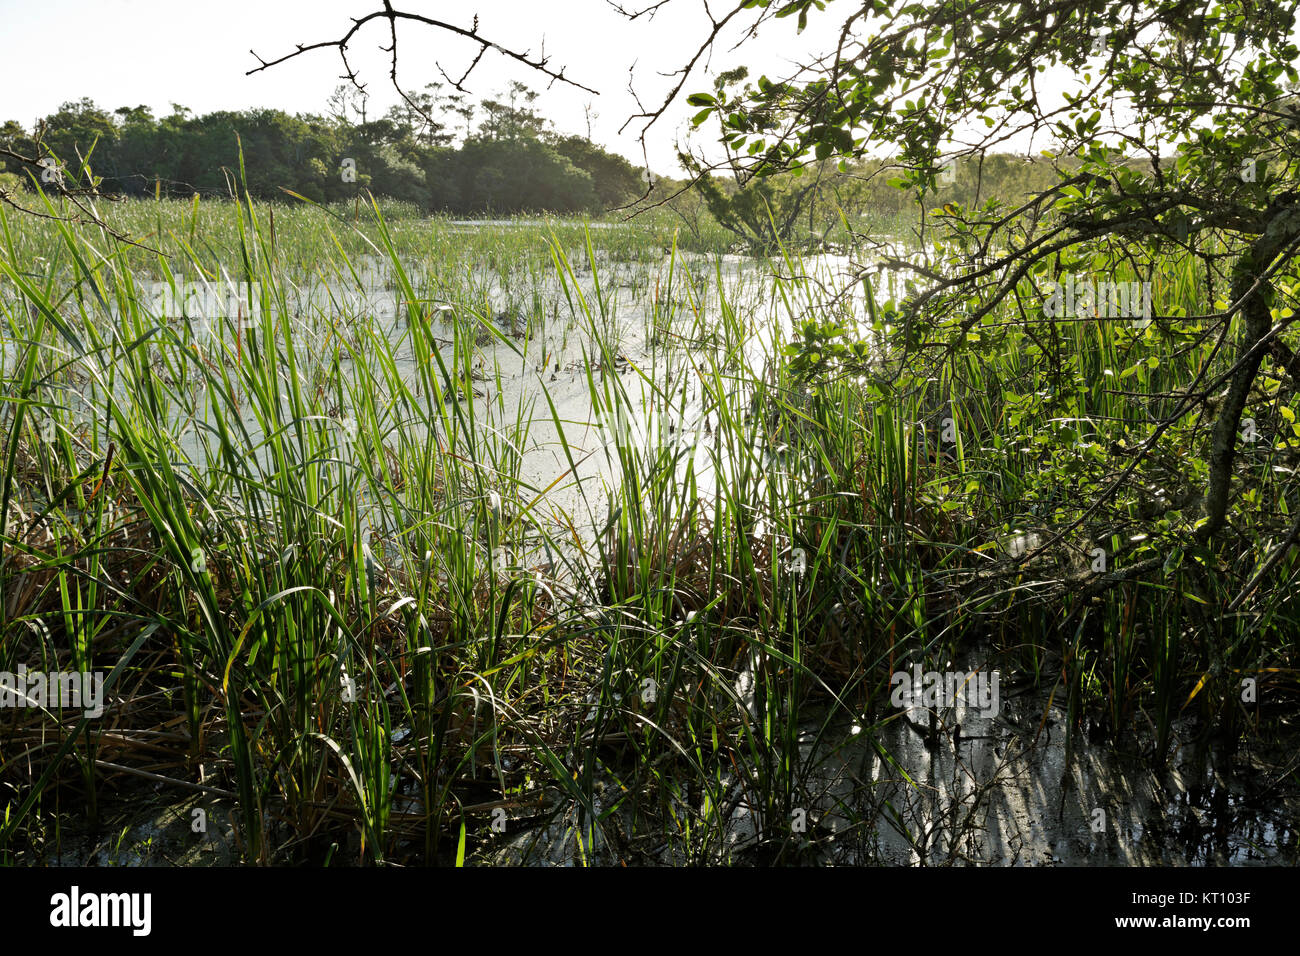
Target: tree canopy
<point>423,151</point>
<point>1172,127</point>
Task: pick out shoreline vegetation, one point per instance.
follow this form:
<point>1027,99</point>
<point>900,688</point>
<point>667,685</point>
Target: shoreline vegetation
<point>444,157</point>
<point>334,608</point>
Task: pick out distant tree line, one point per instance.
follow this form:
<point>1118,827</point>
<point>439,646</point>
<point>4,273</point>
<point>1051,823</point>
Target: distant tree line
<point>499,156</point>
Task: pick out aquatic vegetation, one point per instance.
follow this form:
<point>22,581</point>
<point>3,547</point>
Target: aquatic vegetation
<point>456,534</point>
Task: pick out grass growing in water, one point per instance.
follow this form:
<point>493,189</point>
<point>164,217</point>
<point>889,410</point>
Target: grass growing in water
<point>333,597</point>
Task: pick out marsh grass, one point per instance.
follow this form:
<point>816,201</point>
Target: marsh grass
<point>331,596</point>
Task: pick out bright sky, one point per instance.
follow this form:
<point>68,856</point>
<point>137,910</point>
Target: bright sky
<point>159,52</point>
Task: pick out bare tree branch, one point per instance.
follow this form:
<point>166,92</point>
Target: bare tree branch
<point>539,63</point>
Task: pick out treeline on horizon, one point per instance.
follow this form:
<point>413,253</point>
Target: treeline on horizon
<point>439,153</point>
<point>443,155</point>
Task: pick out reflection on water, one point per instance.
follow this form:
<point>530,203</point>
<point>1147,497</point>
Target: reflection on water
<point>952,787</point>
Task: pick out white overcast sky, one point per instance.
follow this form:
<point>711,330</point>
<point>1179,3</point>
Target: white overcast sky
<point>155,52</point>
